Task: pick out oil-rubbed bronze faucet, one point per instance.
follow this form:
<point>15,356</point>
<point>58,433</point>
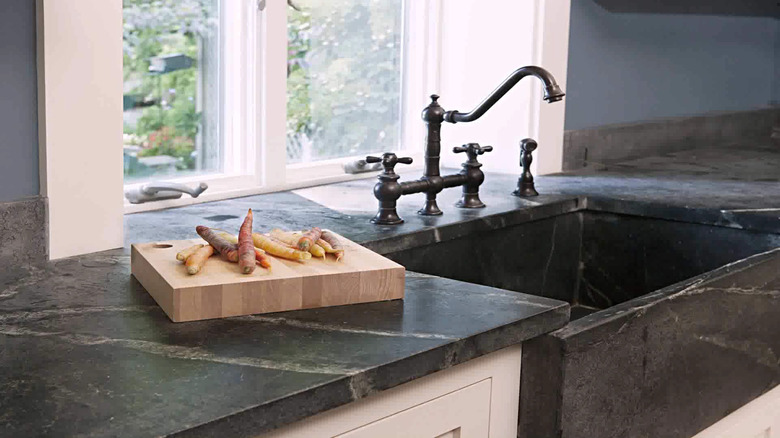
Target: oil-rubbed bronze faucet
<point>388,190</point>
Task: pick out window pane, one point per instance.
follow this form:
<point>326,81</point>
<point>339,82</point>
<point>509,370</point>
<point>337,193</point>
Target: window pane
<point>344,78</point>
<point>171,88</point>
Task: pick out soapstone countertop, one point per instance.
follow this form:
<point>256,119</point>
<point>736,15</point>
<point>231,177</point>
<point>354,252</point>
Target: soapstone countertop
<point>85,350</point>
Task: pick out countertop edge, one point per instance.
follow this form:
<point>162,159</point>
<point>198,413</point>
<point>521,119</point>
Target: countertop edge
<point>253,421</point>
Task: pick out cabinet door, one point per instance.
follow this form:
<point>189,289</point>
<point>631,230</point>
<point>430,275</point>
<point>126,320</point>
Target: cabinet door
<point>461,414</point>
<point>757,419</point>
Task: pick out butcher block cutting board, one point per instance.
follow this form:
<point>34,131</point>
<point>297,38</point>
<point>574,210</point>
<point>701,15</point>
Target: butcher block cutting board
<point>220,290</point>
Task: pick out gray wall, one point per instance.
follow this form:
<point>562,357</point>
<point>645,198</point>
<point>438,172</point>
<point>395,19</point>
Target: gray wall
<point>776,83</point>
<point>18,101</point>
<point>635,67</point>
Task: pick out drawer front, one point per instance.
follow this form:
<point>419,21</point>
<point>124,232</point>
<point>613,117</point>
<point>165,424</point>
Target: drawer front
<point>461,414</point>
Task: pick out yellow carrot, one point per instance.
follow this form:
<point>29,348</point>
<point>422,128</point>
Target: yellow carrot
<point>277,248</point>
<point>227,236</point>
<point>196,261</point>
<point>292,239</point>
<point>183,254</point>
<point>326,246</point>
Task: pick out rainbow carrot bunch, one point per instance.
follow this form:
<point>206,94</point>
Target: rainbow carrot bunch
<point>234,249</point>
<point>249,249</point>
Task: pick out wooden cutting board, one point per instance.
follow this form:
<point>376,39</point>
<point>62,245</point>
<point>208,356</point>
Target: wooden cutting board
<point>220,290</point>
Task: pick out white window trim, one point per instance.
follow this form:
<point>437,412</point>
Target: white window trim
<point>98,187</point>
<point>79,51</point>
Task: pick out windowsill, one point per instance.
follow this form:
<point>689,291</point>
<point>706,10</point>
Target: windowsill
<point>223,187</point>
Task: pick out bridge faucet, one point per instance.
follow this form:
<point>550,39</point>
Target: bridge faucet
<point>388,190</point>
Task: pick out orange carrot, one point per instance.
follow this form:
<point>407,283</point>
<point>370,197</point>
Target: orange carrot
<point>262,259</point>
<point>246,248</point>
<point>196,261</point>
<point>185,253</point>
<point>228,250</point>
<point>331,238</point>
<point>277,248</point>
<point>308,239</point>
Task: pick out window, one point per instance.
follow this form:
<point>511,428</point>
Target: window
<point>202,101</point>
<point>343,78</point>
<point>80,71</point>
<point>171,95</point>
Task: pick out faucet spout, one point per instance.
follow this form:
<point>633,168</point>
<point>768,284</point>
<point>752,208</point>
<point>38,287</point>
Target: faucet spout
<point>552,93</point>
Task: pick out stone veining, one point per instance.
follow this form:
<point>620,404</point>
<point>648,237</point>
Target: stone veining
<point>757,350</point>
<point>176,351</point>
<point>340,328</point>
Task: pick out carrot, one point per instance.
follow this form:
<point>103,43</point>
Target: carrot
<point>307,240</point>
<point>196,261</point>
<point>228,250</point>
<point>331,238</point>
<point>326,246</point>
<point>246,248</point>
<point>277,248</point>
<point>292,239</point>
<point>183,254</point>
<point>262,259</point>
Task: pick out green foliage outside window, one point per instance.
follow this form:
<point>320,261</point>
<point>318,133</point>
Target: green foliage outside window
<point>169,122</point>
<point>343,83</point>
<point>343,77</point>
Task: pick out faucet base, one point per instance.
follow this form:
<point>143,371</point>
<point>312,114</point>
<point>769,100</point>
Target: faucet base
<point>470,200</point>
<point>525,189</point>
<point>431,209</point>
<point>387,217</point>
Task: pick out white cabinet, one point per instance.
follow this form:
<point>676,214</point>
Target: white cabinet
<point>757,419</point>
<point>477,399</point>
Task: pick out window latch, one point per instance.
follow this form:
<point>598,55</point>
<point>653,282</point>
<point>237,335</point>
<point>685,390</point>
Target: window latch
<point>158,191</point>
<point>360,166</point>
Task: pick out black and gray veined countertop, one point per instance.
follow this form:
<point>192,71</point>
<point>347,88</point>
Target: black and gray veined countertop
<point>85,351</point>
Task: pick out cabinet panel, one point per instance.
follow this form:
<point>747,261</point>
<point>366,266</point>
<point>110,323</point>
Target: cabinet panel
<point>757,419</point>
<point>462,413</point>
<point>484,390</point>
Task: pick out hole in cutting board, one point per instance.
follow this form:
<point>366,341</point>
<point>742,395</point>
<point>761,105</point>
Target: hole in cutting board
<point>162,245</point>
<point>220,217</point>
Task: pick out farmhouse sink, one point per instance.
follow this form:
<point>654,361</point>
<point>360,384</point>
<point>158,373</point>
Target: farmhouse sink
<point>593,260</point>
<point>649,338</point>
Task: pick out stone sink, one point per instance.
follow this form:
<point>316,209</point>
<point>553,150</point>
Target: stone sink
<point>671,320</point>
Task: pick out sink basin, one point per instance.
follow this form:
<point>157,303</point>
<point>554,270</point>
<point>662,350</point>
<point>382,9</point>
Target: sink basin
<point>648,339</point>
<point>592,260</point>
